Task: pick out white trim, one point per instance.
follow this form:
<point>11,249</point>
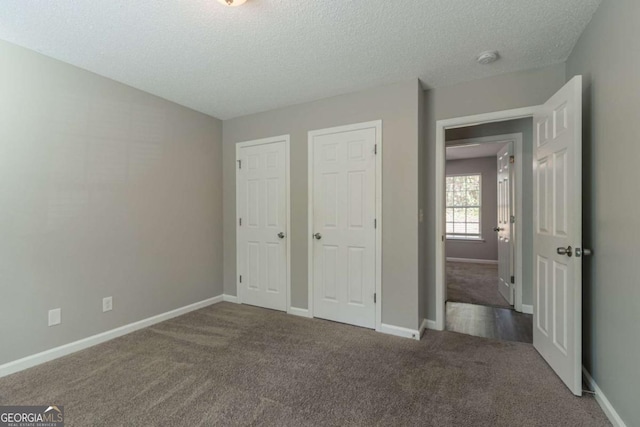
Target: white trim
<point>439,170</point>
<point>494,139</point>
<point>399,331</point>
<point>602,400</point>
<point>379,222</point>
<point>66,349</point>
<point>463,240</point>
<point>473,261</point>
<point>493,117</point>
<point>302,312</point>
<point>527,308</point>
<point>286,139</point>
<point>377,125</point>
<point>423,326</point>
<point>431,324</point>
<point>230,298</point>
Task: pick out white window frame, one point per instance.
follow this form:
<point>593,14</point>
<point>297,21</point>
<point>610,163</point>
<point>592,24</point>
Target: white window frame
<point>466,238</point>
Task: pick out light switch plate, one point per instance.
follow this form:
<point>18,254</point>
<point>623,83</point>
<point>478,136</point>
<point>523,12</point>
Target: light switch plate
<point>55,317</point>
<point>107,304</point>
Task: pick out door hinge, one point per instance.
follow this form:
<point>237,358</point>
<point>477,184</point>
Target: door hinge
<point>240,222</point>
<point>512,159</point>
<point>375,149</point>
<point>513,279</point>
<point>512,219</point>
<point>375,223</point>
<point>375,298</point>
<point>241,278</point>
<point>239,164</point>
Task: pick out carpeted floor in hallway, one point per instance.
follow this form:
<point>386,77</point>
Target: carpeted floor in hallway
<point>231,364</point>
<point>474,284</point>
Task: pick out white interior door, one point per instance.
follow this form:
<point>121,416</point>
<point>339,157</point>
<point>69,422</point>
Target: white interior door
<point>262,223</point>
<point>344,234</point>
<point>558,233</point>
<point>504,228</point>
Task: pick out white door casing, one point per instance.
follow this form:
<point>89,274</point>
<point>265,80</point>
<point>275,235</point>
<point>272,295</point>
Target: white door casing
<point>262,222</point>
<point>504,225</point>
<point>344,228</point>
<point>557,193</point>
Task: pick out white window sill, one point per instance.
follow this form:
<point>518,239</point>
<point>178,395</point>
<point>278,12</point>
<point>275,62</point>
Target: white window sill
<point>460,239</point>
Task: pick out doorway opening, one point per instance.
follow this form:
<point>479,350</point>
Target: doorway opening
<point>486,189</point>
<point>556,253</point>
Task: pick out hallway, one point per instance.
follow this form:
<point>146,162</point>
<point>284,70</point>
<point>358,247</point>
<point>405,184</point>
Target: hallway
<point>476,307</point>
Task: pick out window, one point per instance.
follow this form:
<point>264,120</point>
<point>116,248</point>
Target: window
<point>463,207</point>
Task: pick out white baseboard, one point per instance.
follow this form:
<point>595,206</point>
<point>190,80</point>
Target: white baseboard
<point>302,312</point>
<point>602,400</point>
<point>473,261</point>
<point>54,353</point>
<point>230,298</point>
<point>432,324</point>
<point>399,331</point>
<point>423,326</point>
<point>527,309</point>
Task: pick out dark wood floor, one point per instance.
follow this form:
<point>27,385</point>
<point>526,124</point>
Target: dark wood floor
<point>490,322</point>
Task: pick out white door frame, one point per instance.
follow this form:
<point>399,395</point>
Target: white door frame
<point>440,202</point>
<point>263,141</point>
<point>516,138</point>
<point>377,125</point>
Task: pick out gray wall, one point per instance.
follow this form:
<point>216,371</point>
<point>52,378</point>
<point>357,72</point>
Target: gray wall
<point>503,92</point>
<point>398,106</point>
<point>525,127</point>
<point>488,248</point>
<point>104,191</point>
<point>608,56</point>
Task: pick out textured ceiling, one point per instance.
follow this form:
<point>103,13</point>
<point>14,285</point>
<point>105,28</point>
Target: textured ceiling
<point>229,62</point>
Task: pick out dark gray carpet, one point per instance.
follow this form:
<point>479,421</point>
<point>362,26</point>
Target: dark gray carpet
<point>474,284</point>
<point>238,365</point>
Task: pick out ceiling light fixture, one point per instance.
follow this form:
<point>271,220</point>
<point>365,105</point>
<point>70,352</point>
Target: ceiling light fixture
<point>488,57</point>
<point>232,3</point>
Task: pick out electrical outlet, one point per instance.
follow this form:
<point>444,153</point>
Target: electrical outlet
<point>55,317</point>
<point>107,304</point>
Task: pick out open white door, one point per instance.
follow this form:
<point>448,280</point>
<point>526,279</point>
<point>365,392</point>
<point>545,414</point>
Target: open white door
<point>558,233</point>
<point>505,230</point>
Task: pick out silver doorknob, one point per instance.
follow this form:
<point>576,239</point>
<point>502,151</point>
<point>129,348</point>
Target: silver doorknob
<point>568,251</point>
<point>583,252</point>
<point>281,235</point>
<point>318,236</point>
<point>498,229</point>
